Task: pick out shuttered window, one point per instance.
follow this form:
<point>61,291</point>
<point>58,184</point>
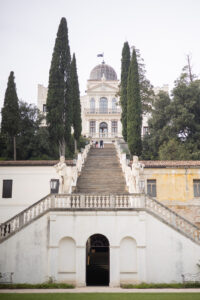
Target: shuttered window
<point>151,187</point>
<point>7,188</point>
<point>196,187</point>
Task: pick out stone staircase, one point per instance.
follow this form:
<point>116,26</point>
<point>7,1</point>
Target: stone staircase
<point>102,173</point>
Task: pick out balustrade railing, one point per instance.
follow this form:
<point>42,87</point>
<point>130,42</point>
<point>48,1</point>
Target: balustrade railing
<point>173,219</point>
<point>99,202</point>
<point>103,111</point>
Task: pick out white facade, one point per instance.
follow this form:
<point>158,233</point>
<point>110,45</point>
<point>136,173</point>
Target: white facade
<point>100,107</point>
<point>141,248</point>
<point>142,245</point>
<point>29,185</point>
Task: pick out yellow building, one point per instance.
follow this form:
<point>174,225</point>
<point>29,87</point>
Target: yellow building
<point>175,184</point>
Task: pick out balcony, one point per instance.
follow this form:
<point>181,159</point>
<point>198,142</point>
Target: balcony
<point>108,111</point>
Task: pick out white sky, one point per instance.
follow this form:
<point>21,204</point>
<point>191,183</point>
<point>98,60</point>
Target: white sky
<point>164,31</point>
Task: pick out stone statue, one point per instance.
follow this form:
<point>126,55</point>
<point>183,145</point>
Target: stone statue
<point>136,169</point>
<point>65,176</point>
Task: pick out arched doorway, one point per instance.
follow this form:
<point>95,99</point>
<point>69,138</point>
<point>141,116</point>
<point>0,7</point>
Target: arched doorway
<point>97,260</point>
<point>103,130</point>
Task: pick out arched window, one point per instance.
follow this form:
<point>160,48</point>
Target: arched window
<point>114,105</point>
<point>103,106</point>
<point>92,105</point>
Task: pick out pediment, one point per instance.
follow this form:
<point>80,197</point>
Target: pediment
<point>103,86</point>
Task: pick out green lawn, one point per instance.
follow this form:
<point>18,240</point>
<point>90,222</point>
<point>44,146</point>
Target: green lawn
<point>102,296</point>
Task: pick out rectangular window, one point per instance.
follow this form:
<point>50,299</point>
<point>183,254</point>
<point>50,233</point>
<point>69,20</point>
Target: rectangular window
<point>92,127</point>
<point>151,187</point>
<point>54,186</point>
<point>7,188</point>
<point>196,187</point>
<point>44,108</point>
<point>114,128</point>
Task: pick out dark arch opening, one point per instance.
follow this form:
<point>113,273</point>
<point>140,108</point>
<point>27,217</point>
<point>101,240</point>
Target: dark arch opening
<point>97,260</point>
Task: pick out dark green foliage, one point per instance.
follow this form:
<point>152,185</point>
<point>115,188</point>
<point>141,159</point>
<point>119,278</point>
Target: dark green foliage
<point>75,96</point>
<point>59,106</point>
<point>33,141</point>
<point>145,285</point>
<point>134,108</point>
<point>83,141</point>
<point>125,63</point>
<point>159,130</point>
<point>10,113</point>
<point>174,129</point>
<point>146,89</point>
<point>175,149</point>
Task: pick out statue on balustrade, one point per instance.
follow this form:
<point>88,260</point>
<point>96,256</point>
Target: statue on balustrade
<point>65,176</point>
<point>136,169</point>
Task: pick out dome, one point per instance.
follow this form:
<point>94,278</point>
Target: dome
<point>99,70</point>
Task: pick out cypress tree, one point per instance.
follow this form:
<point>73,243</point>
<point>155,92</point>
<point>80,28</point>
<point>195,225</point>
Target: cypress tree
<point>75,94</point>
<point>125,63</point>
<point>59,107</point>
<point>10,113</point>
<point>134,108</point>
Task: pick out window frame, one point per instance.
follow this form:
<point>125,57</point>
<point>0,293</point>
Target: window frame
<point>92,129</point>
<point>7,187</point>
<point>114,126</point>
<point>196,188</point>
<point>152,188</point>
<point>54,190</point>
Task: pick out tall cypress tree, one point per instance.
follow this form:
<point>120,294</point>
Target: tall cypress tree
<point>75,94</point>
<point>125,63</point>
<point>59,107</point>
<point>134,108</point>
<point>10,112</point>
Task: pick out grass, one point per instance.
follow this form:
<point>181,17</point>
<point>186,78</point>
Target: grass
<point>101,296</point>
<point>144,285</point>
<point>36,286</point>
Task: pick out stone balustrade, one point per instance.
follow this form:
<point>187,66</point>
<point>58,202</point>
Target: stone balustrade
<point>98,202</point>
<point>79,164</point>
<point>124,164</point>
<point>102,111</point>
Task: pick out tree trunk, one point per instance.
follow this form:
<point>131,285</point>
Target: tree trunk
<point>14,147</point>
<point>189,68</point>
<point>75,145</point>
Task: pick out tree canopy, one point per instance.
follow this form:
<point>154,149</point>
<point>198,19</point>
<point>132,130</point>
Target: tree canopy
<point>125,63</point>
<point>174,127</point>
<point>10,113</point>
<point>75,96</point>
<point>134,108</point>
<point>59,104</point>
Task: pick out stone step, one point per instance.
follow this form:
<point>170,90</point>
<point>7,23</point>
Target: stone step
<point>101,173</point>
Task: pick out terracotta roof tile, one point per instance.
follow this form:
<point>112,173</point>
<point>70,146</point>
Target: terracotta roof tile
<point>171,163</point>
<point>33,163</point>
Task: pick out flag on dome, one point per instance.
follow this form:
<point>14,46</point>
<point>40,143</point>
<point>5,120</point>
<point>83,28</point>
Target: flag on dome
<point>100,55</point>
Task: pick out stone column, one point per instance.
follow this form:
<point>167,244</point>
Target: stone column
<point>114,266</point>
<point>80,266</point>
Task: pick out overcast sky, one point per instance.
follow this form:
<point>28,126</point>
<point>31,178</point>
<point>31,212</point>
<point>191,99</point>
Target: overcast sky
<point>165,31</point>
